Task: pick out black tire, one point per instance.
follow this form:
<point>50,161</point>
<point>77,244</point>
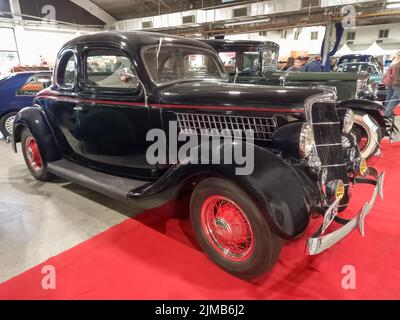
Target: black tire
<point>39,172</point>
<point>6,122</point>
<point>266,245</point>
<point>368,139</point>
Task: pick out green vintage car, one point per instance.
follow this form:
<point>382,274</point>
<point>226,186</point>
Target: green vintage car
<point>256,62</point>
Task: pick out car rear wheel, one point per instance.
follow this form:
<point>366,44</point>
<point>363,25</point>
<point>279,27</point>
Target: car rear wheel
<point>6,124</point>
<point>368,134</point>
<point>33,157</point>
<point>232,230</point>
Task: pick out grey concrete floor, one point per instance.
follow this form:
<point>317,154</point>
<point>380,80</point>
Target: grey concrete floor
<point>39,220</point>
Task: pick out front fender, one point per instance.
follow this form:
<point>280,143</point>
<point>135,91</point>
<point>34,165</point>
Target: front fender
<point>283,193</point>
<point>34,119</point>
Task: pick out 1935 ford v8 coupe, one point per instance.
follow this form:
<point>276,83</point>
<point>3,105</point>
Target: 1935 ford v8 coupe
<point>111,89</point>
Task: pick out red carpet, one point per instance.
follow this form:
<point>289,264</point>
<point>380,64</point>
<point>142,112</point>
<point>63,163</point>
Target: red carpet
<point>154,256</point>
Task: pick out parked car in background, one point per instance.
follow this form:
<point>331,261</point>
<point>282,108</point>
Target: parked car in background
<point>348,58</point>
<point>370,78</point>
<point>256,62</point>
<point>112,89</point>
<point>16,92</point>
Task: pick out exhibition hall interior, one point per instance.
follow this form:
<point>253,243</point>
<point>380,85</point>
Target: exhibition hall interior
<point>199,150</point>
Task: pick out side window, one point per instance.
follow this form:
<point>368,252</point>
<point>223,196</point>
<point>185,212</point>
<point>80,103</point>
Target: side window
<point>33,86</point>
<point>229,60</point>
<point>109,69</point>
<point>66,71</point>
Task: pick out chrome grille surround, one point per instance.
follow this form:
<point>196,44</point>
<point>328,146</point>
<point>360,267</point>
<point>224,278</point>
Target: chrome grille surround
<point>260,128</point>
<point>321,114</point>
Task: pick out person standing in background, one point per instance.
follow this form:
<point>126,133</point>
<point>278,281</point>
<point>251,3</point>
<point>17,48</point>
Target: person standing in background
<point>392,80</point>
<point>388,80</point>
<point>313,65</point>
<point>289,64</point>
<point>297,66</point>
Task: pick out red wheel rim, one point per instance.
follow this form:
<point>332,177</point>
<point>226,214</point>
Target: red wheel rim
<point>227,228</point>
<point>362,143</point>
<point>33,154</point>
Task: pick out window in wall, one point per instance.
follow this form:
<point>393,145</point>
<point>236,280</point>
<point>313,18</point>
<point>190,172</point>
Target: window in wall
<point>296,35</point>
<point>283,34</point>
<point>384,33</point>
<point>351,35</point>
<point>66,74</point>
<point>107,69</point>
<point>314,35</point>
<point>34,85</point>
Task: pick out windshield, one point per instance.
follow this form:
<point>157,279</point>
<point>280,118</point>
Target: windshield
<point>357,67</point>
<point>178,63</point>
<point>350,68</point>
<point>270,60</point>
<point>249,61</point>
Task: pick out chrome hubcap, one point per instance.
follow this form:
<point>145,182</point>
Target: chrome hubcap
<point>8,124</point>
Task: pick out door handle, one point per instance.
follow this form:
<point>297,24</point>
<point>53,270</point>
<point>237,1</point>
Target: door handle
<point>78,108</point>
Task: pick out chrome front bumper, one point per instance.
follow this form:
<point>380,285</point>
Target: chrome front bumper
<point>320,242</point>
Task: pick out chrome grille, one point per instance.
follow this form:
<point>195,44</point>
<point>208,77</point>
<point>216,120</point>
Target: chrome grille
<point>225,125</point>
<point>328,139</point>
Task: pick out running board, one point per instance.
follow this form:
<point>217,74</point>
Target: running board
<point>109,185</point>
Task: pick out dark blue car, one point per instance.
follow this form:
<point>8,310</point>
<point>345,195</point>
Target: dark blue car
<point>16,92</point>
<point>355,58</point>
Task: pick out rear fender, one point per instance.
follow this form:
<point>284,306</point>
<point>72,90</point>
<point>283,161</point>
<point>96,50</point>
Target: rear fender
<point>34,119</point>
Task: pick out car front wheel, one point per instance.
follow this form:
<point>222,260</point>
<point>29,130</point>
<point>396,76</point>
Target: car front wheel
<point>33,157</point>
<point>232,230</point>
<point>6,124</point>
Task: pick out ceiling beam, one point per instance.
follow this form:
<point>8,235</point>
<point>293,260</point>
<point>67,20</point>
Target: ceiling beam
<point>95,10</point>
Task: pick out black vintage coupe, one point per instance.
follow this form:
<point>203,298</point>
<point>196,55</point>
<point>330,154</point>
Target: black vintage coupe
<point>112,90</point>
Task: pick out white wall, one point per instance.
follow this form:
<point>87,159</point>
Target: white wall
<point>365,36</point>
<point>34,44</point>
<point>289,44</point>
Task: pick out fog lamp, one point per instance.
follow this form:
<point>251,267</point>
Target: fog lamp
<point>335,190</point>
<point>361,167</point>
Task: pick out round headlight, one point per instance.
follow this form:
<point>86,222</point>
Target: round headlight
<point>348,121</point>
<point>306,143</point>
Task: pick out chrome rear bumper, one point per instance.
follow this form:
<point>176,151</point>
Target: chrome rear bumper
<point>319,242</point>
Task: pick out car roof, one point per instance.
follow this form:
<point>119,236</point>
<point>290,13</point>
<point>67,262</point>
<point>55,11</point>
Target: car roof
<point>34,72</point>
<point>134,39</point>
<point>226,43</point>
<point>358,62</point>
<point>357,55</point>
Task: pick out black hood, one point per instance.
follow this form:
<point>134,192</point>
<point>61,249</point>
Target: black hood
<point>208,93</point>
